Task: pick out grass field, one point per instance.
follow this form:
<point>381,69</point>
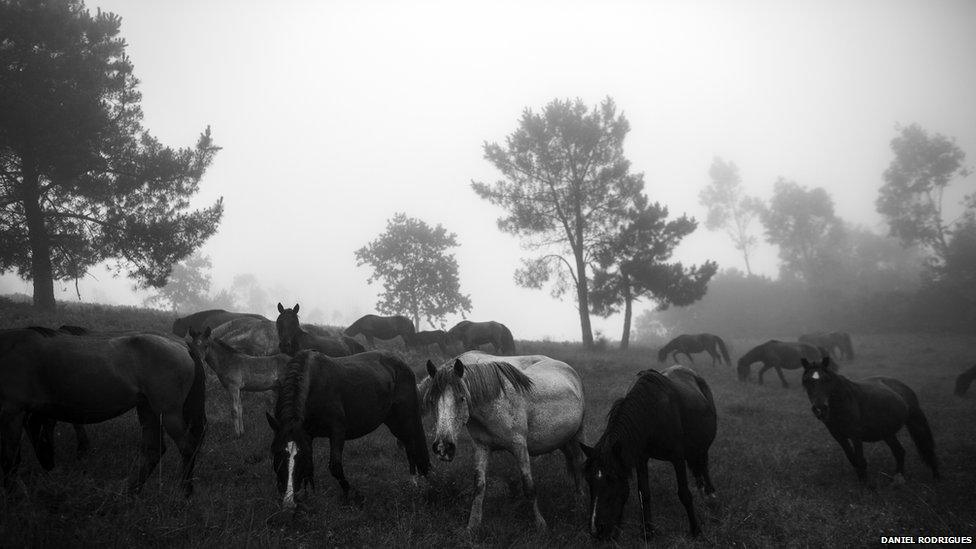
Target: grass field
<point>781,478</point>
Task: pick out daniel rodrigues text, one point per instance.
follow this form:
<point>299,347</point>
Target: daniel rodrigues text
<point>926,539</point>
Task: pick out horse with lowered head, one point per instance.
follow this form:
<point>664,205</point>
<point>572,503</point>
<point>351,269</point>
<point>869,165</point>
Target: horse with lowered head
<point>687,344</point>
<point>423,339</point>
<point>838,344</point>
<point>341,399</point>
<point>780,355</point>
<point>211,318</point>
<point>381,327</point>
<point>93,378</point>
<point>667,416</point>
<point>870,410</point>
<point>527,406</point>
<point>473,334</point>
<point>293,338</point>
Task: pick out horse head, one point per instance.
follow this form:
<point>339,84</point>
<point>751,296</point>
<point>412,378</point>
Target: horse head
<point>608,477</point>
<point>448,396</point>
<point>820,382</point>
<point>291,459</point>
<point>288,329</point>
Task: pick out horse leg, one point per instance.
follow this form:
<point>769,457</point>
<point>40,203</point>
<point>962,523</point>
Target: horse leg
<point>574,463</point>
<point>480,483</point>
<point>236,409</point>
<point>11,429</point>
<point>336,442</point>
<point>699,467</point>
<point>854,453</point>
<point>521,452</point>
<point>40,431</point>
<point>83,444</point>
<point>153,446</point>
<point>644,495</point>
<point>762,371</point>
<point>899,453</point>
<point>779,372</point>
<point>177,428</point>
<point>689,357</point>
<point>684,494</point>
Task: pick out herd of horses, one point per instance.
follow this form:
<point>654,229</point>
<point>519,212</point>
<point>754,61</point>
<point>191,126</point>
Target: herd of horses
<point>327,384</point>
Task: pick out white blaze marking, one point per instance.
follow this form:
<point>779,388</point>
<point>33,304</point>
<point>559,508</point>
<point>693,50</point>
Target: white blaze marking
<point>816,375</point>
<point>593,516</point>
<point>290,490</point>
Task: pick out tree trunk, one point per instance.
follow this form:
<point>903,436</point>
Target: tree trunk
<point>628,310</point>
<point>42,275</point>
<point>583,300</point>
<point>745,254</point>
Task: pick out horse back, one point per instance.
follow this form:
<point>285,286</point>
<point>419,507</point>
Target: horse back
<point>697,405</point>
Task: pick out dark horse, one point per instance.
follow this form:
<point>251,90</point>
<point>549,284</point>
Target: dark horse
<point>964,380</point>
<point>424,339</point>
<point>781,355</point>
<point>869,410</point>
<point>341,399</point>
<point>88,379</point>
<point>696,343</point>
<point>670,417</point>
<point>836,343</point>
<point>473,334</point>
<point>381,327</point>
<point>207,319</point>
<point>293,338</point>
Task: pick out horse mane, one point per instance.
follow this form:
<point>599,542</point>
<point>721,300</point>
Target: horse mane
<point>482,382</point>
<point>627,419</point>
<point>46,332</point>
<point>293,390</point>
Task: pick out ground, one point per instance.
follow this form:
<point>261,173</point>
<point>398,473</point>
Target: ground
<point>781,479</point>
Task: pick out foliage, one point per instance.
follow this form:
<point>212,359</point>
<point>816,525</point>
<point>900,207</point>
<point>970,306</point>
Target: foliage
<point>729,208</point>
<point>634,263</point>
<point>81,181</point>
<point>802,223</point>
<point>420,279</point>
<point>566,186</point>
<point>911,197</point>
<point>188,289</point>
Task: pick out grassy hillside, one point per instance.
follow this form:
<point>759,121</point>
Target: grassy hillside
<point>781,478</point>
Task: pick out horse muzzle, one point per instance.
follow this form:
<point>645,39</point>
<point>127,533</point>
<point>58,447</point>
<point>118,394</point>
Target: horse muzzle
<point>444,449</point>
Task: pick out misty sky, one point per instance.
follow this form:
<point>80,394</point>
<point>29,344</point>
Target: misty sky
<point>335,115</point>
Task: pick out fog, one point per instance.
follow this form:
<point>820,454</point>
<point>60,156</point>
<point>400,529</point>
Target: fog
<point>333,116</point>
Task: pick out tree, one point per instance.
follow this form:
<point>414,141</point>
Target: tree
<point>729,208</point>
<point>253,297</point>
<point>81,181</point>
<point>911,197</point>
<point>188,289</point>
<point>566,187</point>
<point>634,264</point>
<point>802,223</point>
<point>420,279</point>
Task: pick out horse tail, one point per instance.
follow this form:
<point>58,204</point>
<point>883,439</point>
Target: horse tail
<point>705,389</point>
<point>195,405</point>
<point>508,342</point>
<point>412,415</point>
<point>921,433</point>
<point>724,349</point>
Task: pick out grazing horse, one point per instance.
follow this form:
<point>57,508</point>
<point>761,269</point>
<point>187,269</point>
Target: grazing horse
<point>293,338</point>
<point>869,410</point>
<point>473,334</point>
<point>964,380</point>
<point>424,339</point>
<point>381,327</point>
<point>341,399</point>
<point>207,319</point>
<point>527,406</point>
<point>670,417</point>
<point>836,343</point>
<point>89,379</point>
<point>237,371</point>
<point>781,355</point>
<point>696,343</point>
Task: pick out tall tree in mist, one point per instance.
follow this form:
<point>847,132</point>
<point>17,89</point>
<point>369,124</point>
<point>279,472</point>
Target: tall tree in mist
<point>420,279</point>
<point>729,208</point>
<point>566,187</point>
<point>81,181</point>
<point>634,264</point>
<point>911,197</point>
<point>802,223</point>
<point>188,288</point>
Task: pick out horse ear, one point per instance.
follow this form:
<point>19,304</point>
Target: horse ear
<point>587,450</point>
<point>280,308</point>
<point>272,422</point>
<point>296,308</point>
<point>805,363</point>
<point>431,369</point>
<point>458,367</point>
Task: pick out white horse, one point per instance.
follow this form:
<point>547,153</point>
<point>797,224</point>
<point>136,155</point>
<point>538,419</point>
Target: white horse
<point>528,405</point>
<point>237,371</point>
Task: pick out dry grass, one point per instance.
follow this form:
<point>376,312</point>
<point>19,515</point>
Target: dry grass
<point>781,478</point>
